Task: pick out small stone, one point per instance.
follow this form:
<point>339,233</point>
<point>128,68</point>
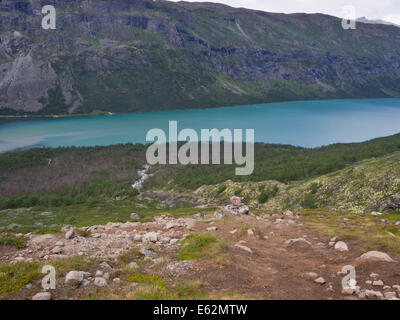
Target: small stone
<point>390,295</point>
<point>148,252</point>
<point>173,241</point>
<point>396,287</point>
<point>233,231</point>
<point>240,246</point>
<point>74,278</point>
<point>376,256</point>
<point>99,273</point>
<point>100,282</point>
<point>42,296</point>
<point>375,213</point>
<point>70,234</point>
<point>56,250</point>
<point>85,282</point>
<point>348,291</point>
<point>60,243</point>
<point>132,265</point>
<point>369,282</point>
<point>117,280</point>
<point>250,232</point>
<point>373,294</point>
<point>105,265</point>
<point>212,229</point>
<point>106,276</point>
<point>151,237</point>
<point>387,287</point>
<point>135,216</point>
<point>341,246</point>
<point>158,260</point>
<point>374,275</point>
<point>378,283</point>
<point>311,275</point>
<point>28,286</point>
<point>288,213</point>
<point>320,280</point>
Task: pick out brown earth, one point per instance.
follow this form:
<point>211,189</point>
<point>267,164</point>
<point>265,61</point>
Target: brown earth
<point>274,269</point>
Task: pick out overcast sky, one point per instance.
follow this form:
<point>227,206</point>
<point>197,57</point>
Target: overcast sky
<point>373,9</point>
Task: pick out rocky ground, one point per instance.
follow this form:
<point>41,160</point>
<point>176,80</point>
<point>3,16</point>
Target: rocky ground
<point>263,256</point>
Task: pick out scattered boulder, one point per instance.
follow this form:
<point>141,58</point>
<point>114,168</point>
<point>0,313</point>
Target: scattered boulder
<point>288,213</point>
<point>100,282</point>
<point>117,280</point>
<point>236,208</point>
<point>299,242</point>
<point>70,234</point>
<point>378,283</point>
<point>74,278</point>
<point>56,250</point>
<point>148,252</point>
<point>151,237</point>
<point>42,296</point>
<point>105,265</point>
<point>135,216</point>
<point>373,294</point>
<point>348,291</point>
<point>376,256</point>
<point>198,216</point>
<point>390,294</point>
<point>240,246</point>
<point>132,265</point>
<point>320,281</point>
<point>341,246</point>
<point>311,275</point>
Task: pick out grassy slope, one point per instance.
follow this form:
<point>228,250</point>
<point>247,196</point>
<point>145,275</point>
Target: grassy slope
<point>361,187</point>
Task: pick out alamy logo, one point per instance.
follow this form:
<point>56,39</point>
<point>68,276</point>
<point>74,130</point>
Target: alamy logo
<point>349,17</point>
<point>188,153</point>
<point>49,280</point>
<point>49,20</point>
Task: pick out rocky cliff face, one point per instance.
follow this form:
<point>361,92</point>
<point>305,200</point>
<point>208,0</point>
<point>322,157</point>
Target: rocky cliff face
<point>142,55</point>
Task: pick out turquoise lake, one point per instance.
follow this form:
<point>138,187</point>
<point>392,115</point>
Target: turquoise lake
<point>301,123</point>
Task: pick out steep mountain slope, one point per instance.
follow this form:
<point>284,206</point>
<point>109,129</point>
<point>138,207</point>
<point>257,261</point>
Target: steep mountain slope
<point>141,55</point>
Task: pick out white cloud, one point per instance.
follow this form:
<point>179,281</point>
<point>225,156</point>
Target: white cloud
<point>372,9</point>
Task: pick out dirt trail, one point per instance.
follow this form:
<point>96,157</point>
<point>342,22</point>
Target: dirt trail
<point>276,270</point>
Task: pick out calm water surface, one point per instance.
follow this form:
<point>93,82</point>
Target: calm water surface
<point>302,123</point>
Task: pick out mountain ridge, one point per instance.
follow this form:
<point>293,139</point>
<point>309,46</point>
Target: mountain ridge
<point>135,56</point>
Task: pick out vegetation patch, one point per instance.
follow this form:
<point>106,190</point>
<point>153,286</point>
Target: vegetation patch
<point>202,246</point>
<point>13,240</point>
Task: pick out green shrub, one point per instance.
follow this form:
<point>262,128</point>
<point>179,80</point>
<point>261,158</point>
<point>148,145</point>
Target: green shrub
<point>221,189</point>
<point>12,240</point>
<point>309,201</point>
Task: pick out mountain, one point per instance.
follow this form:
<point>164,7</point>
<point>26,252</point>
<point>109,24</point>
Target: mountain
<point>379,21</point>
<point>142,55</point>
